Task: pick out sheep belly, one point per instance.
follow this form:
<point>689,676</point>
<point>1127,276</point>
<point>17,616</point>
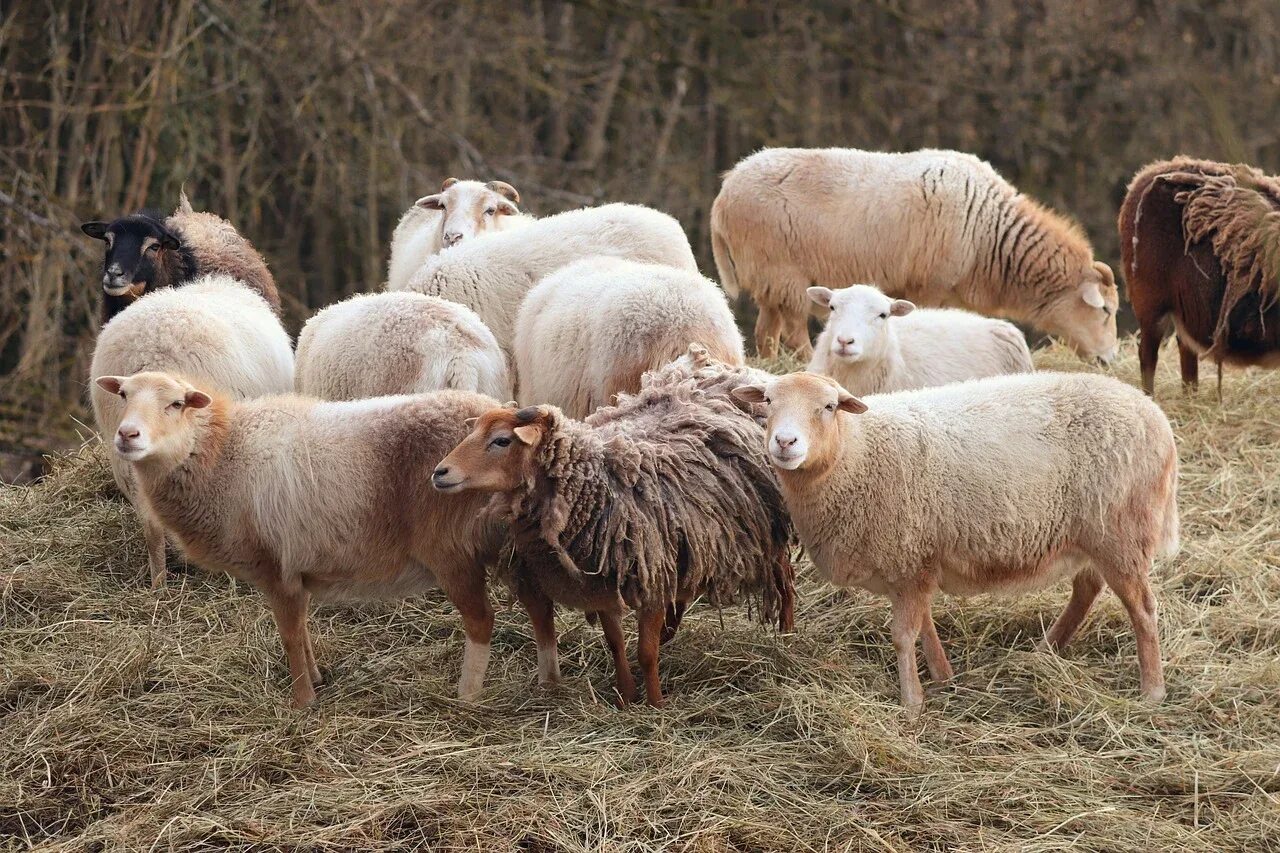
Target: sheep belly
<point>965,578</point>
<point>411,579</point>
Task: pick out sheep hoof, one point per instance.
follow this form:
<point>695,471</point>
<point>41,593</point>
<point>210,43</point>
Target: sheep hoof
<point>1153,695</point>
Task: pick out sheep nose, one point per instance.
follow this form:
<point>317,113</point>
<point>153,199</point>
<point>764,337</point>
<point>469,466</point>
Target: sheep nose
<point>129,433</point>
<point>844,342</point>
<point>440,473</point>
<point>452,237</point>
<point>784,443</point>
<point>115,269</point>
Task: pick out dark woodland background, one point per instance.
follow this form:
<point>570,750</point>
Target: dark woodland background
<point>312,125</point>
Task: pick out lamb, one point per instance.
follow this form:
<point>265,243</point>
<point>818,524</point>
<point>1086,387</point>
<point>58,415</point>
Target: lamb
<point>1001,484</point>
<point>642,506</point>
<point>376,344</point>
<point>492,276</point>
<point>303,498</point>
<point>940,228</point>
<point>590,330</point>
<point>460,211</point>
<point>147,252</point>
<point>873,344</point>
<point>217,332</point>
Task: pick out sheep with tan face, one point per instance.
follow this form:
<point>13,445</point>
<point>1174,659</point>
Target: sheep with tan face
<point>1003,484</point>
<point>873,344</point>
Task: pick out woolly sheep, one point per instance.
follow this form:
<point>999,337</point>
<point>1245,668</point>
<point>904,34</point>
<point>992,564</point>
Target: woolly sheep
<point>303,498</point>
<point>938,227</point>
<point>1002,484</point>
<point>146,253</point>
<point>590,330</point>
<point>460,211</point>
<point>376,344</point>
<point>873,344</point>
<point>645,506</point>
<point>492,276</point>
<point>217,332</point>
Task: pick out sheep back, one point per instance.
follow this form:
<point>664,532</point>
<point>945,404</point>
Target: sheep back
<point>219,249</point>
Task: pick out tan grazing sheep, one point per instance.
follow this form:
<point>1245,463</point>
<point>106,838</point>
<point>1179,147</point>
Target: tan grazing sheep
<point>1004,484</point>
<point>306,499</point>
<point>492,276</point>
<point>873,344</point>
<point>940,228</point>
<point>376,344</point>
<point>460,211</point>
<point>590,330</point>
<point>146,252</point>
<point>644,506</point>
<point>216,331</point>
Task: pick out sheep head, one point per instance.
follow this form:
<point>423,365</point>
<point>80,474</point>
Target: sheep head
<point>498,455</point>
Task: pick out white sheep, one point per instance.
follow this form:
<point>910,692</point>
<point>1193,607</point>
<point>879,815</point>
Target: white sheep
<point>216,331</point>
<point>941,228</point>
<point>302,498</point>
<point>492,276</point>
<point>460,211</point>
<point>590,330</point>
<point>872,344</point>
<point>1002,484</point>
<point>375,344</point>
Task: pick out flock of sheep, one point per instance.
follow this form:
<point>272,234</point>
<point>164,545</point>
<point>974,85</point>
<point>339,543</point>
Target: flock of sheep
<point>642,465</point>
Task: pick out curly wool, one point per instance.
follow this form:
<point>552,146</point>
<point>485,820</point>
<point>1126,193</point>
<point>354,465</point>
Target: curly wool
<point>668,491</point>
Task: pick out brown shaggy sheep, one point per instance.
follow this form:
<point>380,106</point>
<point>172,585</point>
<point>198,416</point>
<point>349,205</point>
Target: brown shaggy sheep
<point>1200,246</point>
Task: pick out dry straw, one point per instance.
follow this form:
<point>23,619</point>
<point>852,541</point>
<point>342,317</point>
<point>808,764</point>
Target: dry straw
<point>131,721</point>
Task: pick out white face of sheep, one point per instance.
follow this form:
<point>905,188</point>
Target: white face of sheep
<point>802,416</point>
<point>155,406</point>
<point>470,208</point>
<point>859,323</point>
<point>1086,317</point>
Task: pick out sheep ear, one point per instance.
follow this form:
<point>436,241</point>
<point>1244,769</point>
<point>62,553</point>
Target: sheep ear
<point>96,230</point>
<point>198,399</point>
<point>820,295</point>
<point>1092,294</point>
<point>168,240</point>
<point>901,307</point>
<point>505,190</point>
<point>748,394</point>
<point>448,182</point>
<point>508,209</point>
<point>430,202</point>
<point>1108,277</point>
<point>110,384</point>
<point>850,403</point>
<point>528,434</point>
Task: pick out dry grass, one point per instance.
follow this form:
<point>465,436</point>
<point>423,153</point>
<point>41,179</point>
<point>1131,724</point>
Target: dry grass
<point>131,721</point>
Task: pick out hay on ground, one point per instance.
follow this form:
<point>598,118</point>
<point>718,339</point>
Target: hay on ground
<point>135,721</point>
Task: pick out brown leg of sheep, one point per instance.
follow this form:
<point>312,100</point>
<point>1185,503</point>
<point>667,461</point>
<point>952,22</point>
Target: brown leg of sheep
<point>909,607</point>
<point>289,607</point>
<point>797,338</point>
<point>1149,339</point>
<point>153,535</point>
<point>611,624</point>
<point>1084,592</point>
<point>768,330</point>
<point>468,593</point>
<point>1133,588</point>
<point>935,657</point>
<point>542,613</point>
<point>650,639</point>
<point>1189,363</point>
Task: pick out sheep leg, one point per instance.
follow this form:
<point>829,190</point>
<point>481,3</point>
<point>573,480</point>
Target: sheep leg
<point>1134,591</point>
<point>768,330</point>
<point>542,614</point>
<point>289,607</point>
<point>935,657</point>
<point>651,623</point>
<point>1189,364</point>
<point>316,678</point>
<point>675,614</point>
<point>1149,339</point>
<point>907,616</point>
<point>611,624</point>
<point>469,595</point>
<point>1084,592</point>
<point>153,534</point>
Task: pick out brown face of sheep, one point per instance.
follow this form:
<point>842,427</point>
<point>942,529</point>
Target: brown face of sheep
<point>1086,318</point>
<point>802,427</point>
<point>497,455</point>
<point>134,247</point>
<point>470,208</point>
<point>157,408</point>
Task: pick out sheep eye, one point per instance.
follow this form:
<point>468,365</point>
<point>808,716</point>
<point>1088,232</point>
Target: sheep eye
<point>501,441</point>
<point>490,212</point>
<point>884,316</point>
<point>176,404</point>
<point>153,247</point>
<point>122,396</point>
<point>830,407</point>
<point>767,401</point>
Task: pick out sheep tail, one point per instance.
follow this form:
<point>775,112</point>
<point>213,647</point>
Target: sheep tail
<point>724,262</point>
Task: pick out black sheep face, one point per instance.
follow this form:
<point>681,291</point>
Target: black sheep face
<point>134,246</point>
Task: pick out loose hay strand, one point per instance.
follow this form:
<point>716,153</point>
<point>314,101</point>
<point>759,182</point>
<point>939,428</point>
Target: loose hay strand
<point>131,721</point>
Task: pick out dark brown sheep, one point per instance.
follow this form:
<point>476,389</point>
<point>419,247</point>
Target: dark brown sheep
<point>1200,250</point>
<point>644,506</point>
